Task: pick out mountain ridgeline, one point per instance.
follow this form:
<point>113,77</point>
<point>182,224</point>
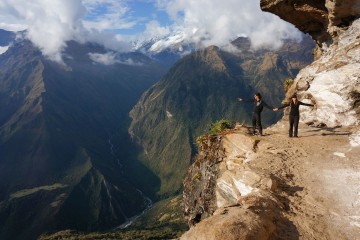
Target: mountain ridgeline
<point>65,155</point>
<point>201,88</point>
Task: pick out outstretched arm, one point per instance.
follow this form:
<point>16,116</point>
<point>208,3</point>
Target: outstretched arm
<point>267,105</point>
<point>283,106</point>
<point>306,104</point>
<point>246,99</point>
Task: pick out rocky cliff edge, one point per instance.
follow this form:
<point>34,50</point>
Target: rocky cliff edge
<point>275,187</point>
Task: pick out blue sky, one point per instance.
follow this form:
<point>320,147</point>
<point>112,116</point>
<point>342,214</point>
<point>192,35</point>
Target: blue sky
<point>136,14</point>
<point>147,11</point>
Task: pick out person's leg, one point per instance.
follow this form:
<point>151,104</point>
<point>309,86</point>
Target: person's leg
<point>254,122</point>
<point>259,124</point>
<point>296,125</point>
<point>291,123</point>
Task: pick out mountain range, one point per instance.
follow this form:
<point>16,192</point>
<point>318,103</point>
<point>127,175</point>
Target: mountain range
<point>66,158</point>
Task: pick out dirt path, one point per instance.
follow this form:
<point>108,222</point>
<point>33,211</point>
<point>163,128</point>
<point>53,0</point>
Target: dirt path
<point>318,176</point>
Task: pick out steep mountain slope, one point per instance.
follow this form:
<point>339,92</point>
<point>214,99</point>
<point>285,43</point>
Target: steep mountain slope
<point>204,87</point>
<point>168,116</point>
<point>61,128</point>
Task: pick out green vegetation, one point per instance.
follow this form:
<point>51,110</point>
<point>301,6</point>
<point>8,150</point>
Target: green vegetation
<point>215,128</point>
<point>144,234</point>
<point>288,83</point>
<point>197,176</point>
<point>220,125</point>
<point>167,213</point>
<point>27,192</point>
<point>163,221</point>
<point>201,140</point>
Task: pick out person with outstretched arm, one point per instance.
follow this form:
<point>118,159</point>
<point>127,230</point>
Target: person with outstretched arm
<point>294,116</point>
<point>259,104</point>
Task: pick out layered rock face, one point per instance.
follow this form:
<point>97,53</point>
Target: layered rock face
<point>332,82</point>
<point>275,187</point>
<point>224,192</point>
<point>321,19</point>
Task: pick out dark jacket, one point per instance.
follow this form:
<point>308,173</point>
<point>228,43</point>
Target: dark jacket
<point>258,106</point>
<point>294,111</point>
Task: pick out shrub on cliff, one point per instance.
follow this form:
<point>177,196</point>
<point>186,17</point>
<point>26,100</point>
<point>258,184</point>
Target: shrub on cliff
<point>220,125</point>
<point>287,84</point>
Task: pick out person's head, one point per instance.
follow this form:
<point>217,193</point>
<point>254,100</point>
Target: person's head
<point>257,96</point>
<point>294,99</point>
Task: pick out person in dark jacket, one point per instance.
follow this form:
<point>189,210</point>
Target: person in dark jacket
<point>294,116</point>
<point>259,104</point>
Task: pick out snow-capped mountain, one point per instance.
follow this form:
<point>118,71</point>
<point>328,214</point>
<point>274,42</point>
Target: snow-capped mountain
<point>157,44</point>
<point>166,49</point>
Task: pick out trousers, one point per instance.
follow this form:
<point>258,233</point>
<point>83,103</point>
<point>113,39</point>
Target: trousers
<point>256,121</point>
<point>294,125</point>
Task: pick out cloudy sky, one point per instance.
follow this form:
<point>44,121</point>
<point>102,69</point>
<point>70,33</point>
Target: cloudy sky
<point>114,23</point>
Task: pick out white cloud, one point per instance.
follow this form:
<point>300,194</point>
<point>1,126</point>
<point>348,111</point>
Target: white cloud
<point>13,27</point>
<point>3,49</point>
<point>154,29</point>
<point>130,61</point>
<point>218,22</point>
<point>114,14</point>
<point>111,58</point>
<point>50,24</point>
<point>106,59</point>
